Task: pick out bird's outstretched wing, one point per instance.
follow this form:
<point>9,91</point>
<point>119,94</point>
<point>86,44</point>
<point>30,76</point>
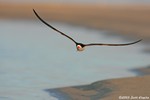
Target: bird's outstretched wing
<point>102,44</point>
<point>53,27</point>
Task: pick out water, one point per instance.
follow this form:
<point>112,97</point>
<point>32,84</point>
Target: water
<point>34,58</point>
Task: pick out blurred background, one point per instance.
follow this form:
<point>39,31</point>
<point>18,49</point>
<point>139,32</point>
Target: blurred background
<point>124,16</point>
<point>34,58</point>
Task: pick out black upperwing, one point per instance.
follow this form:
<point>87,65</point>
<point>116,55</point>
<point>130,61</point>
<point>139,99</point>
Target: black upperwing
<point>102,44</point>
<point>53,27</point>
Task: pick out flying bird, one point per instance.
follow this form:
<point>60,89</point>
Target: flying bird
<point>81,46</point>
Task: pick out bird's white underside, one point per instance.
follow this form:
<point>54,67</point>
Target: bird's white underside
<point>80,48</point>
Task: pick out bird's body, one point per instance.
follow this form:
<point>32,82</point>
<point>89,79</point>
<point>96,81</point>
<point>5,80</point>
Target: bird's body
<point>81,46</point>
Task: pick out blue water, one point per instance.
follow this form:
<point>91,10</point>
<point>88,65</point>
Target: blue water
<point>34,57</point>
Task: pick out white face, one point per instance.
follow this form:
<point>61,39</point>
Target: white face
<point>80,48</point>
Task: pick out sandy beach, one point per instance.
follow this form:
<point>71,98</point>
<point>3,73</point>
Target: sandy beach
<point>127,20</point>
<point>132,88</point>
<point>115,89</point>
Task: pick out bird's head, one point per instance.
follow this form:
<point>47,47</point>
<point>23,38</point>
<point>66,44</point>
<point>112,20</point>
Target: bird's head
<point>80,47</point>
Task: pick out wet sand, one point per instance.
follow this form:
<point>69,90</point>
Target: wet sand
<point>130,20</point>
<point>133,88</point>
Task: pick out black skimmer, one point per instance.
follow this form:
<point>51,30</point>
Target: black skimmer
<point>81,46</point>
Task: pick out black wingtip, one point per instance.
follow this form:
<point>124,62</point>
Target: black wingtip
<point>34,11</point>
<point>136,42</point>
<point>139,41</point>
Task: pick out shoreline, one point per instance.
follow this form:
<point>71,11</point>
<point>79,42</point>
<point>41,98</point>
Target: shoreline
<point>142,71</point>
<point>111,89</point>
<point>96,90</point>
